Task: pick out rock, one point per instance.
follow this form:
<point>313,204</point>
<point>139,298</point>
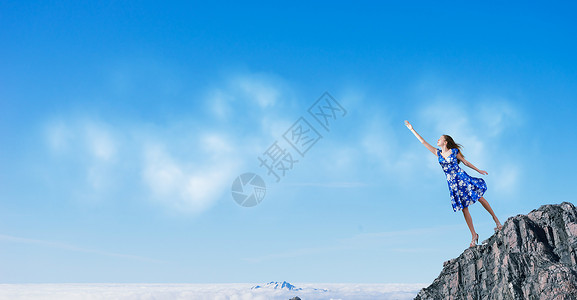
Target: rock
<point>534,256</point>
<point>295,298</point>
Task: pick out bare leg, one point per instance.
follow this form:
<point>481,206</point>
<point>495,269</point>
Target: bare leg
<point>469,221</point>
<point>490,210</point>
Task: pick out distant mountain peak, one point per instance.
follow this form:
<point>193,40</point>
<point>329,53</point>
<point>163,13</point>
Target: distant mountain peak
<point>277,286</point>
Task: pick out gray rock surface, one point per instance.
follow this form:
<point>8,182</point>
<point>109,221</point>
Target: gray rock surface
<point>534,256</point>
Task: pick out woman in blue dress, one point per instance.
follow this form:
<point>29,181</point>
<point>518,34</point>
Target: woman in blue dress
<point>464,189</point>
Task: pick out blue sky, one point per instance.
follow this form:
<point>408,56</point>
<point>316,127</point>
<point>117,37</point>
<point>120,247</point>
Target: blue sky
<point>123,126</point>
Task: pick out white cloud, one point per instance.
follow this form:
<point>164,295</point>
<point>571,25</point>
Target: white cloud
<point>182,166</point>
<point>190,187</point>
<point>497,115</point>
<point>58,136</point>
<point>252,95</point>
<point>160,172</point>
<point>102,147</point>
<point>232,291</point>
<point>188,183</point>
<point>87,135</point>
<point>191,183</point>
<point>85,142</point>
<point>264,89</point>
<point>99,141</point>
<point>218,104</point>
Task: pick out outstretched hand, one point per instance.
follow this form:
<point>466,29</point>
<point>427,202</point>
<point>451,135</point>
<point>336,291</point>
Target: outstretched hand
<point>483,172</point>
<point>408,125</point>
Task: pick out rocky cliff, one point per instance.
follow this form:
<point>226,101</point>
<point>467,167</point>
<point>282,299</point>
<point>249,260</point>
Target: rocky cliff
<point>534,256</point>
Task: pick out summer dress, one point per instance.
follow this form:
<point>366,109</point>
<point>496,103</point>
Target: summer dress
<point>464,189</point>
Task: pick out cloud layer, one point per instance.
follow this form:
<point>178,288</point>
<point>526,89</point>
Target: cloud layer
<point>206,291</point>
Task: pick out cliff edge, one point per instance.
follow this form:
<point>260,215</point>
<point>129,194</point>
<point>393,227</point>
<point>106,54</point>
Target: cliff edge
<point>534,256</point>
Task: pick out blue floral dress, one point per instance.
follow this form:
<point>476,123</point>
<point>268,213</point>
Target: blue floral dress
<point>464,189</point>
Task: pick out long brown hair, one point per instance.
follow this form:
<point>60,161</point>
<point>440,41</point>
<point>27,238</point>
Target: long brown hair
<point>452,145</point>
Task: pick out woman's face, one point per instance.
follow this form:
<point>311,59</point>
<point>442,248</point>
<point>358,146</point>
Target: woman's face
<point>441,141</point>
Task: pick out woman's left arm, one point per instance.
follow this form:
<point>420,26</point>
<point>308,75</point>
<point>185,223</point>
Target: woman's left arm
<point>470,165</point>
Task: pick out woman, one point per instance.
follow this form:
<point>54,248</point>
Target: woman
<point>464,189</point>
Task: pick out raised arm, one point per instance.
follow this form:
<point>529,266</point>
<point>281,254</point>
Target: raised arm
<point>431,148</point>
<point>468,164</point>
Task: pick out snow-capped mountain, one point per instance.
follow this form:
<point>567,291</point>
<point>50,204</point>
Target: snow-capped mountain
<point>277,286</point>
